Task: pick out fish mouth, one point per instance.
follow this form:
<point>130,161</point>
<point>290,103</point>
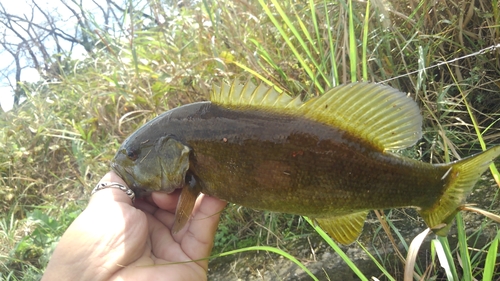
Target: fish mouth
<point>127,177</point>
<point>118,170</point>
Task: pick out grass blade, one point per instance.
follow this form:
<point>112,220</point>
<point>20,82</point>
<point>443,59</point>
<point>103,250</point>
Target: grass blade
<point>491,216</point>
<point>381,267</point>
<point>364,60</point>
<point>493,169</point>
<point>334,71</point>
<point>489,265</point>
<point>273,250</point>
<point>319,39</point>
<point>256,74</point>
<point>445,258</point>
<point>463,248</point>
<point>352,45</point>
<point>285,37</point>
<point>318,67</point>
<point>411,257</point>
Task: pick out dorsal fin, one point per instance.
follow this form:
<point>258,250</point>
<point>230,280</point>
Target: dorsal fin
<point>245,95</point>
<point>379,114</point>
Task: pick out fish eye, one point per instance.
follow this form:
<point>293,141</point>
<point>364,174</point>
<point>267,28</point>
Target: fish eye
<point>132,154</point>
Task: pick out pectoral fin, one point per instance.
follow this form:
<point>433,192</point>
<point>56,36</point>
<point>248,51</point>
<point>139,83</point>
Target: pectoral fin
<point>185,206</point>
<point>344,229</point>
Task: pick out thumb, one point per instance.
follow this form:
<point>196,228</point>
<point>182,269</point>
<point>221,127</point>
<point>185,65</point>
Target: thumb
<point>120,229</point>
<point>108,234</point>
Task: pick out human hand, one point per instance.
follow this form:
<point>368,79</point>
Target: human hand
<point>113,239</point>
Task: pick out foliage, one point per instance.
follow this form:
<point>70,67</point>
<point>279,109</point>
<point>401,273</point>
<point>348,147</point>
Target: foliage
<point>59,141</point>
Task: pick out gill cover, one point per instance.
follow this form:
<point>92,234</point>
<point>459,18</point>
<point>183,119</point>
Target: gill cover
<point>174,166</point>
<point>173,158</point>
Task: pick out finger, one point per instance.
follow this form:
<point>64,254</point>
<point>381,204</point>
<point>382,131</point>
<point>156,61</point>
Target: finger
<point>111,194</point>
<point>197,241</point>
<point>145,205</point>
<point>167,204</point>
<point>165,201</point>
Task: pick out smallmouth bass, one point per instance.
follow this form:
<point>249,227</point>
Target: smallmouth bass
<point>327,158</point>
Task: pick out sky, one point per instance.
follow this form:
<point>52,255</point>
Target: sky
<point>20,8</point>
<point>6,93</point>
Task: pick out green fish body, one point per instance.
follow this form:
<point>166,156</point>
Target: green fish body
<point>327,158</point>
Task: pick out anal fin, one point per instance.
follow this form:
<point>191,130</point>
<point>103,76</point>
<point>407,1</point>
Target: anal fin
<point>345,228</point>
<point>185,206</point>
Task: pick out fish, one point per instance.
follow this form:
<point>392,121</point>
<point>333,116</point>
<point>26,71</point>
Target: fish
<point>332,158</point>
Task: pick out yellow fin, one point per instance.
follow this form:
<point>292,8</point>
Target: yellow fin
<point>185,206</point>
<point>377,113</point>
<point>460,179</point>
<point>344,229</point>
<point>245,95</point>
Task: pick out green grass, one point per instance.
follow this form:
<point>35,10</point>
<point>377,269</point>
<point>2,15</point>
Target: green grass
<point>59,142</point>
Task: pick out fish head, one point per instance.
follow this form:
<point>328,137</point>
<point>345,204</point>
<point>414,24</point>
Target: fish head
<point>147,165</point>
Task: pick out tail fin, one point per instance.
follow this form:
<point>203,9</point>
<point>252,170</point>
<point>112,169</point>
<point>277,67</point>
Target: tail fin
<point>460,179</point>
